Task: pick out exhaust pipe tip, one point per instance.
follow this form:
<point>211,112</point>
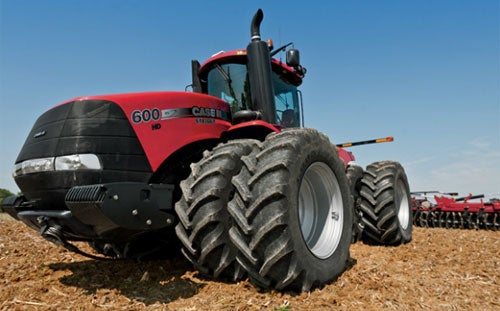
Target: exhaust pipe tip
<point>255,26</point>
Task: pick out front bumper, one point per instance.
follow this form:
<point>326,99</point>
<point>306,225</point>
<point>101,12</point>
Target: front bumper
<point>112,212</point>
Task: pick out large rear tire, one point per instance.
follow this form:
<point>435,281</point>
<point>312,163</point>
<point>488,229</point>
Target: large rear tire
<point>386,204</point>
<point>202,210</point>
<point>292,212</point>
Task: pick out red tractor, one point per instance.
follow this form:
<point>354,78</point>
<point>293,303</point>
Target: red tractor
<point>227,170</point>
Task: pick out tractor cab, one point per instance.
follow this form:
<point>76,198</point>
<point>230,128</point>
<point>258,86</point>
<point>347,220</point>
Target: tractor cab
<point>225,75</point>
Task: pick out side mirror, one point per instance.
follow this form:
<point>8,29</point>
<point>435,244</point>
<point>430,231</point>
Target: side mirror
<point>293,58</point>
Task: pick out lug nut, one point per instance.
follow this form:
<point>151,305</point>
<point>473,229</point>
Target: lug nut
<point>149,222</point>
<point>135,212</point>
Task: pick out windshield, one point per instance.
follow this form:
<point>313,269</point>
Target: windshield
<point>229,82</point>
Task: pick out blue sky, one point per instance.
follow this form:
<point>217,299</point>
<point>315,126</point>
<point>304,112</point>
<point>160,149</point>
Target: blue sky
<point>425,72</point>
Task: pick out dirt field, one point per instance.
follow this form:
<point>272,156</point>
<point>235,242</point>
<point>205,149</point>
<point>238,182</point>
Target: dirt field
<point>439,270</point>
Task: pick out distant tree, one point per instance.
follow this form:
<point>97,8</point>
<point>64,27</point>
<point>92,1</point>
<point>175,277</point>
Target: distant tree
<point>3,194</point>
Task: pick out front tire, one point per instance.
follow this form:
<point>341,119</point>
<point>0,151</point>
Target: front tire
<point>202,210</point>
<point>292,212</point>
<point>386,204</point>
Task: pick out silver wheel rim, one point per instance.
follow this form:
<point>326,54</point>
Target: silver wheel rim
<point>321,212</point>
<point>404,207</point>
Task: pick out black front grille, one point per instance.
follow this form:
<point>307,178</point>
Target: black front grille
<point>91,193</point>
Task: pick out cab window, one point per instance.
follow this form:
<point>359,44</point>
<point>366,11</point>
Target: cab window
<point>286,101</point>
<point>229,82</point>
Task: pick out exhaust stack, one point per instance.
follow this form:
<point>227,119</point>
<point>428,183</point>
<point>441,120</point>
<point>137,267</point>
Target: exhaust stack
<point>259,72</point>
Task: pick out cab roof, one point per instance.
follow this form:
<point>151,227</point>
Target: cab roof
<point>239,56</point>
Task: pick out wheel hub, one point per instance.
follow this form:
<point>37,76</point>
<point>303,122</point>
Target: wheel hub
<point>404,207</point>
<point>321,212</point>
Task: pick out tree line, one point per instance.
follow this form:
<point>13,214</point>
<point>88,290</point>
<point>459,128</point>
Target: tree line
<point>3,194</point>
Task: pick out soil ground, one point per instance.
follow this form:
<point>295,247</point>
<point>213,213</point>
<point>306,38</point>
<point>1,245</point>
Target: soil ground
<point>439,270</point>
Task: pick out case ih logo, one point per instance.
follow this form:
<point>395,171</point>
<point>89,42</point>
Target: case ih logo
<point>156,114</point>
<point>209,112</point>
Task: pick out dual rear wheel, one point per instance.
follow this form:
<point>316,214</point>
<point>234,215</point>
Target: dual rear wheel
<point>385,204</point>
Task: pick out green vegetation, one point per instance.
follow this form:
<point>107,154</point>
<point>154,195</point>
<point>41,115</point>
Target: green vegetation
<point>3,194</point>
<point>284,307</point>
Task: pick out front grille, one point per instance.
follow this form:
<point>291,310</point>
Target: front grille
<point>91,193</point>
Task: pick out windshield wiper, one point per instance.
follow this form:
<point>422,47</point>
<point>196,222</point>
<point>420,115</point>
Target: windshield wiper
<point>224,74</point>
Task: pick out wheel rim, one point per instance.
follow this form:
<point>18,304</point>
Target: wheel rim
<point>321,212</point>
<point>404,206</point>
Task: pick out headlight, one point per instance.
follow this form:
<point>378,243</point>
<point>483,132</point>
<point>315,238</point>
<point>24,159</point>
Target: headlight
<point>34,166</point>
<point>63,163</point>
<point>18,169</point>
<point>78,162</point>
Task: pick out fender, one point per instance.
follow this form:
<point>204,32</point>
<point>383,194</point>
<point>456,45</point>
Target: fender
<point>345,155</point>
<point>256,129</point>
